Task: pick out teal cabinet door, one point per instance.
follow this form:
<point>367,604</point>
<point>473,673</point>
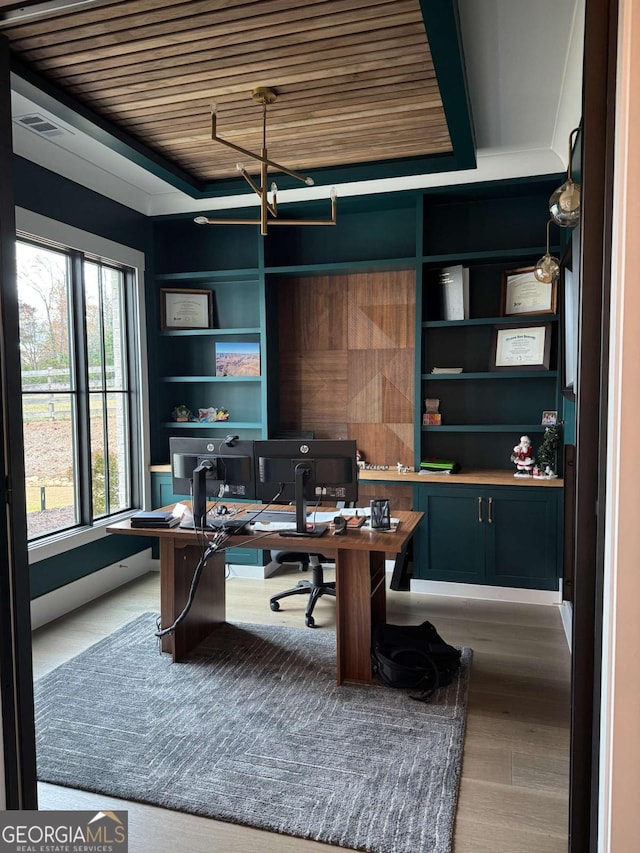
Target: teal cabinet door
<point>522,538</point>
<point>452,543</point>
<point>162,492</point>
<point>497,536</point>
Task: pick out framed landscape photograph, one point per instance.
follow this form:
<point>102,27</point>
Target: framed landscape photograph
<point>238,358</point>
<point>521,348</point>
<point>522,293</point>
<point>186,309</point>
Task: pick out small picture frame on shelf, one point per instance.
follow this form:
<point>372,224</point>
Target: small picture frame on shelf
<point>237,358</point>
<point>521,347</point>
<point>549,418</point>
<point>523,294</point>
<point>186,309</point>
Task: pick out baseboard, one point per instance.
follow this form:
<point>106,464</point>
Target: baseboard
<point>566,614</point>
<point>490,593</point>
<point>239,570</point>
<point>54,604</point>
<point>260,572</point>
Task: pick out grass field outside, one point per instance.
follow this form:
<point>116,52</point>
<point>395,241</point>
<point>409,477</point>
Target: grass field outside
<point>49,462</point>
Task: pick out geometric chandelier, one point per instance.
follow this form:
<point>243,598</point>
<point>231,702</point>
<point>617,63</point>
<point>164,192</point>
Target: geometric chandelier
<point>268,208</point>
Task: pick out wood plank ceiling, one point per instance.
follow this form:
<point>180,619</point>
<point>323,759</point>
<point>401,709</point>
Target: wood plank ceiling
<point>354,78</point>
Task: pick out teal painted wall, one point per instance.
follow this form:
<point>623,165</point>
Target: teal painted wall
<point>48,194</point>
<point>47,575</point>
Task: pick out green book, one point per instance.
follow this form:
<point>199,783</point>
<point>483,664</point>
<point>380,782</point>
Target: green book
<point>436,465</point>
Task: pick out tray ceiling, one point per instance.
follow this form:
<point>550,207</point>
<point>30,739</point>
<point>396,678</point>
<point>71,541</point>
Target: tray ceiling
<point>355,79</point>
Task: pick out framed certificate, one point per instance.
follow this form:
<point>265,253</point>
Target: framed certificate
<point>186,309</point>
<point>521,348</point>
<point>522,293</point>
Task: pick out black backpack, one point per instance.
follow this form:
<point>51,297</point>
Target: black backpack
<point>414,657</point>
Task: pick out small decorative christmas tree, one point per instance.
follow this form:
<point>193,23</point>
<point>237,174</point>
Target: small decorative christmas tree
<point>546,456</point>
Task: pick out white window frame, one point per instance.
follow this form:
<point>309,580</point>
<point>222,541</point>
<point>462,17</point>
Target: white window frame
<point>33,225</point>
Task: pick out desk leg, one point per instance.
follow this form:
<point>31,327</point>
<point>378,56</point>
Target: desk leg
<point>177,565</point>
<point>360,601</point>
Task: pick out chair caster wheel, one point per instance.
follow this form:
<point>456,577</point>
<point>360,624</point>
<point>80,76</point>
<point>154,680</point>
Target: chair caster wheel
<point>309,622</point>
<point>274,605</point>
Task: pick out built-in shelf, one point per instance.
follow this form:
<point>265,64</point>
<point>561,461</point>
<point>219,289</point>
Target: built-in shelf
<point>497,255</point>
<point>520,428</point>
<point>520,320</point>
<point>498,374</point>
<point>222,379</point>
<point>191,333</point>
<point>236,275</point>
<point>212,425</point>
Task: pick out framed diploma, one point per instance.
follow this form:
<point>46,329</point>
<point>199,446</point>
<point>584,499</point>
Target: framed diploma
<point>186,309</point>
<point>521,348</point>
<point>522,293</point>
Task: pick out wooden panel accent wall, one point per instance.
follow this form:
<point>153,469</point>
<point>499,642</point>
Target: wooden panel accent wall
<point>347,360</point>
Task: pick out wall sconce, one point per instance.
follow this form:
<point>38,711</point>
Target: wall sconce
<point>564,203</point>
<point>548,267</point>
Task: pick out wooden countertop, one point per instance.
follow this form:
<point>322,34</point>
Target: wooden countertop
<point>361,539</point>
<point>470,476</point>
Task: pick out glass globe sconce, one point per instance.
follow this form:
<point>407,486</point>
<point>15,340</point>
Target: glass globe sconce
<point>547,269</point>
<point>564,203</point>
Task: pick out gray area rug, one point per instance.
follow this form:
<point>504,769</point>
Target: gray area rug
<point>253,729</point>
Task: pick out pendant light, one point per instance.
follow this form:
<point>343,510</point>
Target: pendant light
<point>548,267</point>
<point>268,209</point>
<point>564,203</point>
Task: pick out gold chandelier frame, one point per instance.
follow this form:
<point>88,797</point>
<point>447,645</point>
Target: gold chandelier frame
<point>268,209</point>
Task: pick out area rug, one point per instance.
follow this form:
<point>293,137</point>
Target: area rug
<point>253,729</point>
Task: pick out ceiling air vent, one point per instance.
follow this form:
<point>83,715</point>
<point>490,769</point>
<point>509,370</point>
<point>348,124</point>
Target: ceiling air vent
<point>41,125</point>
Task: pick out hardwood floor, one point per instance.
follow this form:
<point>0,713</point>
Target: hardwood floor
<point>514,786</point>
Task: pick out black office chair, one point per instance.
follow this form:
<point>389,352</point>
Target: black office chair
<point>314,588</point>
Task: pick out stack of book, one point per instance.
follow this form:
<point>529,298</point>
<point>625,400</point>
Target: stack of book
<point>439,466</point>
<point>156,519</point>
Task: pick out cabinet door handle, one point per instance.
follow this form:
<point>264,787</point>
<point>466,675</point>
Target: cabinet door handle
<point>480,510</point>
<point>490,516</point>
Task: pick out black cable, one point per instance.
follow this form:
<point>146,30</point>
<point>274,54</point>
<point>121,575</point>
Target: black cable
<point>202,562</point>
<point>219,543</point>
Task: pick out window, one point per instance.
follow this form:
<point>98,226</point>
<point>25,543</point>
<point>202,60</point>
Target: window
<point>78,365</point>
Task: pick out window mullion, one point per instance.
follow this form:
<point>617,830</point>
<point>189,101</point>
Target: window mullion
<point>103,386</point>
<point>133,382</point>
<point>81,385</point>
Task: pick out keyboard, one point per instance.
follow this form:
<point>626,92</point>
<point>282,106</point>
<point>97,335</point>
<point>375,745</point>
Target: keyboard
<point>228,523</point>
<point>235,524</point>
<point>283,515</point>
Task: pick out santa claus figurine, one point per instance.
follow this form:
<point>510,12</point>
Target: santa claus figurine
<point>523,458</point>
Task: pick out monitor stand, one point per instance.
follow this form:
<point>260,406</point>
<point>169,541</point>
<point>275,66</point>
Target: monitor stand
<point>302,529</point>
<point>199,493</point>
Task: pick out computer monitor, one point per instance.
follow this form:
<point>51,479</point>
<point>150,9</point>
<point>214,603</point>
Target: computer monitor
<point>301,470</point>
<point>211,468</point>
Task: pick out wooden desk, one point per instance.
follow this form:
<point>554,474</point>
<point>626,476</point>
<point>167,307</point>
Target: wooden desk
<point>360,584</point>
